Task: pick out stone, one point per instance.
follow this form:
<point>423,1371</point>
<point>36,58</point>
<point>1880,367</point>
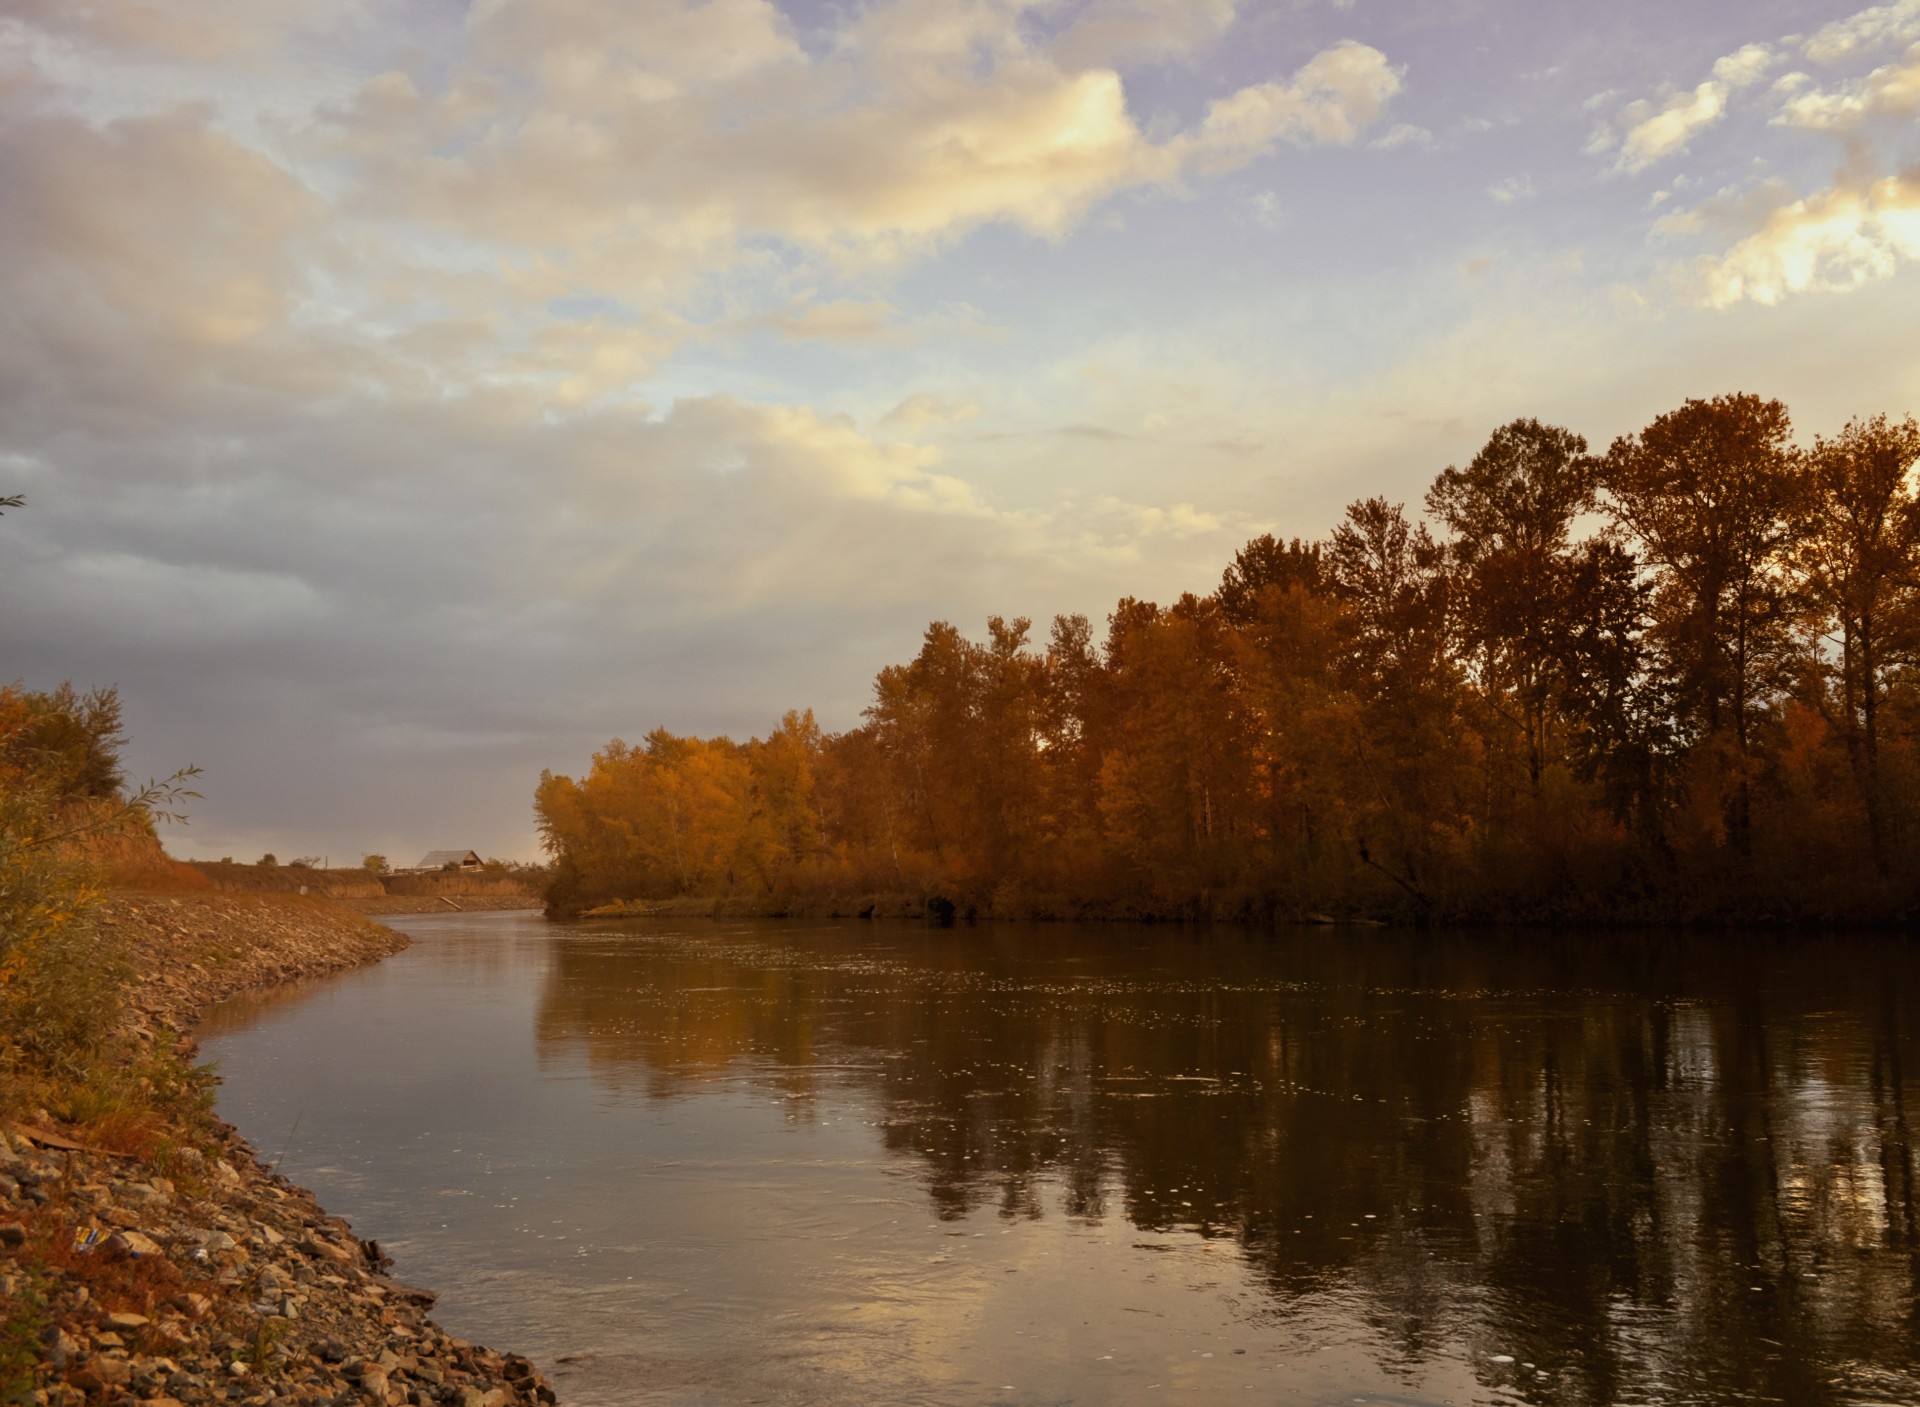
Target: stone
<point>131,1245</point>
<point>102,1371</point>
<point>140,1194</point>
<point>325,1250</point>
<point>125,1321</point>
<point>12,1234</point>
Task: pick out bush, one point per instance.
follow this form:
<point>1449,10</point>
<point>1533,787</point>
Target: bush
<point>62,972</point>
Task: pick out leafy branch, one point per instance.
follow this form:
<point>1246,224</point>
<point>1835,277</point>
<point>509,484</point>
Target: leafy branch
<point>159,800</point>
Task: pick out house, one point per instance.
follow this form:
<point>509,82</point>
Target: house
<point>463,860</point>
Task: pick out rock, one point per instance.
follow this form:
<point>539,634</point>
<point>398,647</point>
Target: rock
<point>131,1245</point>
<point>100,1372</point>
<point>126,1322</point>
<point>326,1250</point>
<point>12,1234</point>
<point>412,1294</point>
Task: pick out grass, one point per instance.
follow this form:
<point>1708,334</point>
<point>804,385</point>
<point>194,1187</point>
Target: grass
<point>23,1330</point>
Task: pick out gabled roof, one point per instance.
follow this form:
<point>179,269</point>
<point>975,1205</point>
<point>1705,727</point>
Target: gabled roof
<point>440,859</point>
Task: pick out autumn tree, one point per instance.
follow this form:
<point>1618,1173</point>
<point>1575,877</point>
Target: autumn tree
<point>1511,512</point>
<point>1710,493</point>
<point>1263,565</point>
<point>1174,782</point>
<point>1858,557</point>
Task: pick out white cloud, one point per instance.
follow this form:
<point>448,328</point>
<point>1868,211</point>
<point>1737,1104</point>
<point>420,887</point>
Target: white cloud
<point>1402,134</point>
<point>1892,90</point>
<point>1334,97</point>
<point>1514,188</point>
<point>1746,66</point>
<point>1655,135</point>
<point>1836,240</point>
<point>624,155</point>
<point>1882,24</point>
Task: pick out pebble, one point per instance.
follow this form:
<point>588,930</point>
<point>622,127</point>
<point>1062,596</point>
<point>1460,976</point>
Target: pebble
<point>212,1279</point>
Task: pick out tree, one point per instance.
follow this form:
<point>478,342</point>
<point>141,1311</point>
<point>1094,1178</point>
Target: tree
<point>1511,512</point>
<point>375,864</point>
<point>1174,781</point>
<point>1858,559</point>
<point>1263,564</point>
<point>1391,575</point>
<point>1711,494</point>
<point>72,740</point>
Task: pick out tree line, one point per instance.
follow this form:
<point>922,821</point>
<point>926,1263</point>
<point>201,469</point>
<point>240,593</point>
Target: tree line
<point>1674,680</point>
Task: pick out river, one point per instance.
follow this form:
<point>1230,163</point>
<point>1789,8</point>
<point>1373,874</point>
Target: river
<point>785,1162</point>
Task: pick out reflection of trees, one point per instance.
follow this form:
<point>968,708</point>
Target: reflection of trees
<point>1696,1181</point>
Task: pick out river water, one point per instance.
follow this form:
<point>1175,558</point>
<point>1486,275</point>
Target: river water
<point>738,1162</point>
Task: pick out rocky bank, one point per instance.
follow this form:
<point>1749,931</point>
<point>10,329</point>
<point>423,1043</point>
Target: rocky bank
<point>149,1258</point>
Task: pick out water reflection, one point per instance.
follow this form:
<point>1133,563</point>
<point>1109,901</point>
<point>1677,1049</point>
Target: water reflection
<point>1658,1170</point>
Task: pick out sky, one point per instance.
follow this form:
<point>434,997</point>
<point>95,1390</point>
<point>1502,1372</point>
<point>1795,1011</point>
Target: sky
<point>411,395</point>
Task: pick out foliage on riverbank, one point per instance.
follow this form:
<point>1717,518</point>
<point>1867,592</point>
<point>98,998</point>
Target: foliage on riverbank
<point>1672,681</point>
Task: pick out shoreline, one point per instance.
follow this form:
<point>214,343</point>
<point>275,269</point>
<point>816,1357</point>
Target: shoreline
<point>162,1261</point>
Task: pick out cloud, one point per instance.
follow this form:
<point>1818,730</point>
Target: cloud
<point>1402,134</point>
<point>839,322</point>
<point>1746,66</point>
<point>1834,241</point>
<point>625,155</point>
<point>1334,97</point>
<point>1114,32</point>
<point>1892,90</point>
<point>1514,188</point>
<point>1662,133</point>
<point>1882,24</point>
<point>923,409</point>
<point>200,31</point>
<point>1654,133</point>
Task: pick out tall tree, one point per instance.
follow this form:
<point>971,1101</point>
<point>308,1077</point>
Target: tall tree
<point>1511,512</point>
<point>1263,564</point>
<point>1710,492</point>
<point>1858,559</point>
<point>1392,578</point>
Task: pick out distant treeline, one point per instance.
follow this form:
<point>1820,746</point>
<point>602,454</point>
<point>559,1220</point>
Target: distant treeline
<point>1673,681</point>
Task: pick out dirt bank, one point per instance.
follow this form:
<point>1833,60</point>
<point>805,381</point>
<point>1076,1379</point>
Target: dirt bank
<point>442,903</point>
<point>147,1255</point>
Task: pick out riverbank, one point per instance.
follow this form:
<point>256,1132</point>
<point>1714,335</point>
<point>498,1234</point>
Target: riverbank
<point>146,1251</point>
<point>442,903</point>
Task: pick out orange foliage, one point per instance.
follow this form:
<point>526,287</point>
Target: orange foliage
<point>1703,709</point>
